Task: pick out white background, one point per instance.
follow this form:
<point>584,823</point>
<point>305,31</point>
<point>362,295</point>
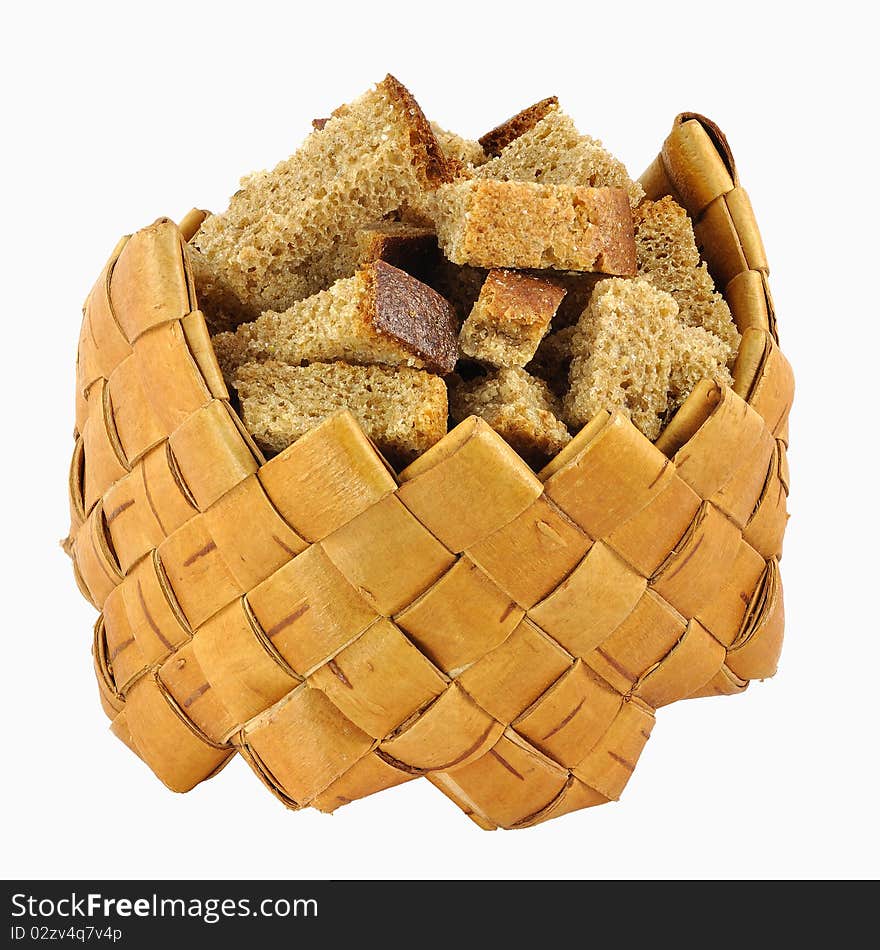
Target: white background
<point>114,115</point>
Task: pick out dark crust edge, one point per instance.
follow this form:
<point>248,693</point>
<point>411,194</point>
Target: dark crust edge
<point>413,315</point>
<point>502,135</point>
<point>607,208</point>
<point>436,167</point>
<point>615,218</point>
<point>538,293</point>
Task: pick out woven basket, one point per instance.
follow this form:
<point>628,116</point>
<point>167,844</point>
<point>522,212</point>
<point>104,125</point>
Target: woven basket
<point>506,635</point>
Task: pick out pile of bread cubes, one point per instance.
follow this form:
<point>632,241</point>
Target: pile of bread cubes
<point>414,277</point>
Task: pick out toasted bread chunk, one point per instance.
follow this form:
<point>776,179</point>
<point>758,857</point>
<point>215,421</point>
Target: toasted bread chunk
<point>667,255</point>
<point>520,224</point>
<point>403,410</point>
<point>495,141</point>
<point>291,232</point>
<point>552,151</point>
<point>380,315</point>
<point>510,318</point>
<point>622,354</point>
<point>631,351</point>
<point>520,408</point>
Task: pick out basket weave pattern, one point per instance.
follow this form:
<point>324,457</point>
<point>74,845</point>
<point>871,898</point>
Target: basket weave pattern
<point>506,635</point>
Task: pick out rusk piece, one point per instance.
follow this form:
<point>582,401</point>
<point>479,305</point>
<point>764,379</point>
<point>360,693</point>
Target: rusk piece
<point>402,410</point>
<point>413,248</point>
<point>520,408</point>
<point>510,318</point>
<point>552,151</point>
<point>291,232</point>
<point>380,315</point>
<point>621,355</point>
<point>630,351</point>
<point>525,225</point>
<point>495,141</point>
<point>667,255</point>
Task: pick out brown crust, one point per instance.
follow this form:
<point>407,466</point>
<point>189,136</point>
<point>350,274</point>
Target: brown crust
<point>511,315</point>
<point>318,124</point>
<point>436,166</point>
<point>502,135</point>
<point>536,295</point>
<point>418,318</point>
<point>406,246</point>
<point>484,226</point>
<point>619,254</point>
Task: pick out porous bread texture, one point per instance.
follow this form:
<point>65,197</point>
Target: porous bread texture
<point>403,410</point>
<point>510,318</point>
<point>520,408</point>
<point>621,355</point>
<point>516,224</point>
<point>380,315</point>
<point>697,354</point>
<point>459,149</point>
<point>667,255</point>
<point>552,359</point>
<point>496,140</point>
<point>291,232</point>
<point>338,250</point>
<point>218,303</point>
<point>630,351</point>
<point>552,151</point>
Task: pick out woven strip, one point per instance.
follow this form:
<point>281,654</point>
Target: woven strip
<point>507,635</point>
